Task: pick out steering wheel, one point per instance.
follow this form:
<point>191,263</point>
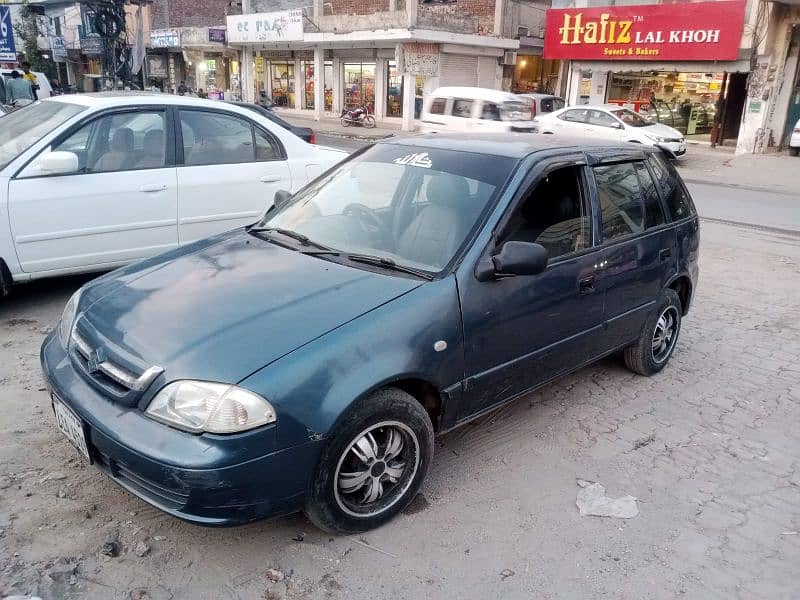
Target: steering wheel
<point>368,220</point>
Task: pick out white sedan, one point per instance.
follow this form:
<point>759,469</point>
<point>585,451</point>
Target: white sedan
<point>612,123</point>
<point>794,140</point>
<point>91,182</point>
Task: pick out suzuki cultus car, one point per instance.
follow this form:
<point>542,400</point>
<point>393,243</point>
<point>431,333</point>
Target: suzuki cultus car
<point>306,362</point>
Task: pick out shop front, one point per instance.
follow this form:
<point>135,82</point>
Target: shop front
<point>322,73</point>
<point>682,65</point>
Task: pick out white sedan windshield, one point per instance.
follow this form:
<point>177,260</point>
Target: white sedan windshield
<point>22,128</point>
<point>413,206</point>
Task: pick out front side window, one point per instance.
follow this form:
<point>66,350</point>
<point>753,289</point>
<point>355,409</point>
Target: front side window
<point>21,129</point>
<point>678,202</point>
<point>621,206</point>
<point>211,138</point>
<point>437,106</point>
<point>462,108</point>
<point>602,119</point>
<point>553,214</point>
<point>415,206</point>
<point>631,118</point>
<point>120,142</point>
<point>574,116</point>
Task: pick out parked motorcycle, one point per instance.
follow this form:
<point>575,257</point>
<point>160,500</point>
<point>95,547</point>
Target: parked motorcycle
<point>357,116</point>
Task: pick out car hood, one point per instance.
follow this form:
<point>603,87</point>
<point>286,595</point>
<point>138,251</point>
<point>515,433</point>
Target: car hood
<point>661,130</point>
<point>225,309</point>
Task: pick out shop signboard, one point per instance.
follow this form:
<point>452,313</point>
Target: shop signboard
<point>157,66</point>
<point>216,34</point>
<point>685,31</point>
<point>164,38</point>
<point>419,59</point>
<point>59,47</point>
<point>92,45</point>
<point>8,51</point>
<point>283,26</point>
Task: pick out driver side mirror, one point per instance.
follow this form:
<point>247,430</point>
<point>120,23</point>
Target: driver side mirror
<point>59,163</point>
<point>514,258</point>
<point>281,198</point>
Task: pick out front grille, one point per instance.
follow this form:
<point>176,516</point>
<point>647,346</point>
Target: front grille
<point>678,140</point>
<point>174,499</point>
<point>106,372</point>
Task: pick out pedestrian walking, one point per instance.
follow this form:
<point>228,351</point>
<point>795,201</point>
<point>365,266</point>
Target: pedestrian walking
<point>18,88</point>
<point>30,78</point>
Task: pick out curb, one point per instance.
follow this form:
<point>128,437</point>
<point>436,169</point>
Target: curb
<point>353,136</point>
<point>739,186</point>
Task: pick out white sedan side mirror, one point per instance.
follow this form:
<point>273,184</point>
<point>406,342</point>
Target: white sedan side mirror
<point>59,163</point>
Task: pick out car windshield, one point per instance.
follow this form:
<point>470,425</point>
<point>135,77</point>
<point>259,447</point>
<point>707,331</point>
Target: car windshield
<point>22,128</point>
<point>516,110</point>
<point>631,118</point>
<point>414,206</point>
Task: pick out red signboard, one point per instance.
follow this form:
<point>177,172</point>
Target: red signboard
<point>686,31</point>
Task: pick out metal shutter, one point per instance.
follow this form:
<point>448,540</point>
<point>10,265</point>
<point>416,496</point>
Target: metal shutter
<point>456,69</point>
<point>487,69</point>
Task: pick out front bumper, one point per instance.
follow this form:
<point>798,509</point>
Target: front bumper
<point>198,478</point>
<point>677,148</point>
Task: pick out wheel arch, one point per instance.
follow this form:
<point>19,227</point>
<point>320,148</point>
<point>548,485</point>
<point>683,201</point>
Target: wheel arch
<point>6,280</point>
<point>682,285</point>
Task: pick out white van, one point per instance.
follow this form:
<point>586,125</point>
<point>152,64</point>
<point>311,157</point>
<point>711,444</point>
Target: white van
<point>475,110</point>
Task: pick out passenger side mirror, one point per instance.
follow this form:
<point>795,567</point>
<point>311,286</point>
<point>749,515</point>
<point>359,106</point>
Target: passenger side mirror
<point>514,258</point>
<point>59,163</point>
<point>618,125</point>
<point>281,198</point>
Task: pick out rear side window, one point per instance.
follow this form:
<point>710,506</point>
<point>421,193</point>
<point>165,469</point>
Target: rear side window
<point>490,112</point>
<point>679,204</point>
<point>462,108</point>
<point>576,116</point>
<point>621,205</point>
<point>652,206</point>
<point>437,106</point>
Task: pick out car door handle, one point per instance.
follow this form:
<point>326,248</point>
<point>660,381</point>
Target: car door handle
<point>153,187</point>
<point>665,253</point>
<point>586,285</point>
<point>267,179</point>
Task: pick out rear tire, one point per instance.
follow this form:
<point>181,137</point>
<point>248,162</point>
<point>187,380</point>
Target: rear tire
<point>652,351</point>
<point>373,465</point>
<point>345,123</point>
<point>794,151</point>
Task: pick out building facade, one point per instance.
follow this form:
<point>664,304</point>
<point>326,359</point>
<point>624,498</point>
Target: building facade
<point>322,57</point>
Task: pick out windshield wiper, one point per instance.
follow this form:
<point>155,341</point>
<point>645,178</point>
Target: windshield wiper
<point>303,239</point>
<point>378,261</point>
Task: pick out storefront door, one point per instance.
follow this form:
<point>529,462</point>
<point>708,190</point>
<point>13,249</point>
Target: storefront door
<point>359,86</point>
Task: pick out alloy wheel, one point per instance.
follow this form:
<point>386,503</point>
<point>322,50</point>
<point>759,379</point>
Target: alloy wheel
<point>665,334</point>
<point>376,469</point>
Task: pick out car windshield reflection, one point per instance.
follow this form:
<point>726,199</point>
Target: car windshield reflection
<point>414,206</point>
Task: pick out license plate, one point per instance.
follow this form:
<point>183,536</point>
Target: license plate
<point>71,426</point>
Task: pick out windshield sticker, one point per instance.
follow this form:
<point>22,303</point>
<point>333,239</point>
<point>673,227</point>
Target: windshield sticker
<point>415,160</point>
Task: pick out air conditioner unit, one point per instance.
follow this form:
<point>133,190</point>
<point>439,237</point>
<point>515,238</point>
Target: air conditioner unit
<point>509,58</point>
<point>522,32</point>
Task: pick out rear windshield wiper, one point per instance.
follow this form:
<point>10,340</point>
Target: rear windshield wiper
<point>303,239</point>
<point>378,261</point>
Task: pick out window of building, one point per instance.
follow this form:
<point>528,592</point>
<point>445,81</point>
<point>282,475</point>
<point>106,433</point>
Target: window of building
<point>394,91</point>
<point>282,74</point>
<point>553,214</point>
<point>462,108</point>
<point>621,205</point>
<point>359,86</point>
<point>308,84</point>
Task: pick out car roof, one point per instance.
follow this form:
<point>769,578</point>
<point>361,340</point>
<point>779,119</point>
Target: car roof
<point>125,98</point>
<point>512,145</point>
<point>538,96</point>
<point>474,92</point>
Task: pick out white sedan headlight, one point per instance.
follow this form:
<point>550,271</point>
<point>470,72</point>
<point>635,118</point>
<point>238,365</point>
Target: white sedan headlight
<point>202,406</point>
<point>656,138</point>
<point>68,318</point>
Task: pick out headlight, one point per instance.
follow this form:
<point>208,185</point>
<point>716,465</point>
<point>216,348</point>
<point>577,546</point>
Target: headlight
<point>656,138</point>
<point>201,406</point>
<point>68,318</point>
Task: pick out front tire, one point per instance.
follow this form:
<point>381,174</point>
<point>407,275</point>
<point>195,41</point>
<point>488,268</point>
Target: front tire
<point>345,122</point>
<point>374,464</point>
<point>652,351</point>
<point>369,121</point>
<point>794,151</point>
